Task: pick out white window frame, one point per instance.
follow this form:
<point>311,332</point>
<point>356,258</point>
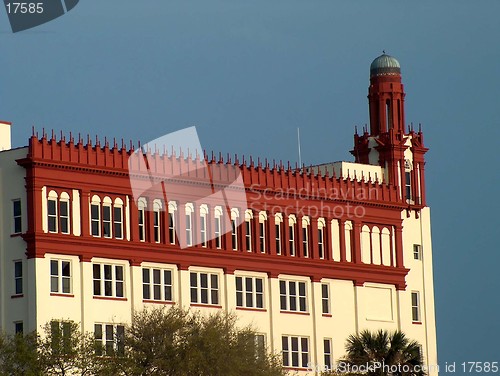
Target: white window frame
<point>115,282</point>
<point>288,351</point>
<point>218,227</point>
<point>203,226</point>
<point>166,292</point>
<point>18,277</point>
<point>52,216</point>
<point>157,206</point>
<point>107,207</point>
<point>141,218</point>
<point>110,341</point>
<point>321,241</point>
<point>63,200</point>
<point>189,226</point>
<point>290,299</point>
<point>305,241</point>
<point>60,278</point>
<point>249,296</point>
<point>248,234</point>
<point>262,232</point>
<point>415,308</point>
<point>95,220</point>
<point>212,292</point>
<point>172,209</point>
<point>118,222</point>
<point>327,354</point>
<point>291,238</point>
<point>417,252</point>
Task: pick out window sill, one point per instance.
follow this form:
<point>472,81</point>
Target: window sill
<point>251,309</point>
<point>205,305</point>
<point>110,298</point>
<point>158,301</point>
<point>417,322</point>
<point>16,296</point>
<point>16,234</point>
<point>295,313</point>
<point>327,315</point>
<point>62,295</point>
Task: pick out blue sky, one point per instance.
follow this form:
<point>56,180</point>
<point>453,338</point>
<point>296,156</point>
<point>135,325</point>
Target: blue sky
<point>248,73</point>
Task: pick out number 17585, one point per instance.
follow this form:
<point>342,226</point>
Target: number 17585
<point>24,8</point>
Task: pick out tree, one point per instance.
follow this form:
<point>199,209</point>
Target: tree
<point>19,355</point>
<point>383,353</point>
<point>178,342</point>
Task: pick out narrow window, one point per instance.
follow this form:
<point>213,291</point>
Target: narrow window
<point>234,234</point>
<point>18,327</point>
<point>388,115</point>
<point>118,221</point>
<point>64,215</point>
<point>142,226</point>
<point>95,219</point>
<point>18,277</point>
<point>203,230</point>
<point>408,185</point>
<point>248,234</point>
<point>277,228</point>
<point>325,298</point>
<point>417,253</point>
<point>52,214</point>
<point>415,306</point>
<point>16,206</point>
<point>291,239</point>
<point>106,220</point>
<point>189,229</point>
<point>321,248</point>
<point>171,226</point>
<point>305,241</point>
<point>156,225</point>
<point>218,233</point>
<point>260,346</point>
<point>262,236</point>
<point>327,353</point>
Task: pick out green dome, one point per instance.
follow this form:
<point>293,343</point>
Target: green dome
<point>384,65</point>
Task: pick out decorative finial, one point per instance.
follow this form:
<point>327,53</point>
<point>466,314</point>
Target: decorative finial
<point>383,51</point>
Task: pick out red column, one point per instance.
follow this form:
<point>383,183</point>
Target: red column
<point>84,212</point>
<point>134,220</point>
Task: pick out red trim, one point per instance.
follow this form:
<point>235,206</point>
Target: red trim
<point>251,309</point>
<point>327,315</point>
<point>157,301</point>
<point>62,295</point>
<point>205,305</point>
<point>296,313</point>
<point>16,296</point>
<point>110,298</point>
<point>416,322</point>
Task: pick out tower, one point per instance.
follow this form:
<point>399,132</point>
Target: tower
<point>385,142</point>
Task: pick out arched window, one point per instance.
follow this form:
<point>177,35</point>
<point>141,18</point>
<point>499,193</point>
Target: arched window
<point>64,213</point>
<point>291,234</point>
<point>203,225</point>
<point>141,206</point>
<point>305,236</point>
<point>52,211</point>
<point>262,231</point>
<point>106,217</point>
<point>118,218</point>
<point>172,208</point>
<point>234,228</point>
<point>95,215</point>
<point>157,209</point>
<point>218,227</point>
<point>321,238</point>
<point>408,168</point>
<point>189,224</point>
<point>278,220</point>
<point>248,229</point>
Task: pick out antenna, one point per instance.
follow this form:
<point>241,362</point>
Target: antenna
<point>298,143</point>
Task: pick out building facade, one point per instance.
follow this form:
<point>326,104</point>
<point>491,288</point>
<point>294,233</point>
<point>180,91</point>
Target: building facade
<point>308,256</point>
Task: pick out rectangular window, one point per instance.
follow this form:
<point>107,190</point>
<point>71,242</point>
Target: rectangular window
<point>234,234</point>
<point>204,288</point>
<point>108,280</point>
<point>109,339</point>
<point>321,242</point>
<point>248,235</point>
<point>295,351</point>
<point>417,254</point>
<point>408,185</point>
<point>18,327</point>
<point>277,228</point>
<point>156,226</point>
<point>106,221</point>
<point>203,230</point>
<point>293,296</point>
<point>262,237</point>
<point>52,215</point>
<point>95,219</point>
<point>291,239</point>
<point>118,222</point>
<point>218,233</point>
<point>189,230</point>
<point>415,306</point>
<point>327,353</point>
<point>18,277</point>
<point>60,276</point>
<point>249,292</point>
<point>325,298</point>
<point>305,241</point>
<point>64,216</point>
<point>142,226</point>
<point>260,346</point>
<point>60,332</point>
<point>17,225</point>
<point>171,227</point>
<point>156,284</point>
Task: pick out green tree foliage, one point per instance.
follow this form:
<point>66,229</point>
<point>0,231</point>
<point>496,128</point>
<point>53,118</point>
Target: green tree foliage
<point>382,354</point>
<point>19,355</point>
<point>176,342</point>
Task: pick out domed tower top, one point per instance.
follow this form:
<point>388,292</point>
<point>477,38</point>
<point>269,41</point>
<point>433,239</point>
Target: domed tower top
<point>385,65</point>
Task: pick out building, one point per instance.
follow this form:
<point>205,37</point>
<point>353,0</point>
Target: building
<point>309,255</point>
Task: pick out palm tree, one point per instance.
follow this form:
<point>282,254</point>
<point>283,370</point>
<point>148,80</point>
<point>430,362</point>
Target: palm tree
<point>383,354</point>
